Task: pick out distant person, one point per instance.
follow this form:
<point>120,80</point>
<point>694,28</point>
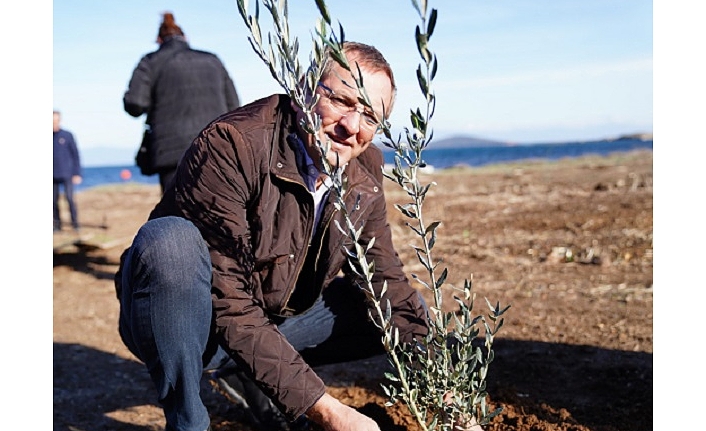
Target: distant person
<point>67,171</point>
<point>181,90</point>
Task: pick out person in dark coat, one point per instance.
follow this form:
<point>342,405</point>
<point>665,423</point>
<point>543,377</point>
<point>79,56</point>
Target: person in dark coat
<point>181,90</point>
<point>67,171</point>
<point>241,270</point>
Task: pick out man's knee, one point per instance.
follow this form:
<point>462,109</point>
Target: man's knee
<point>170,246</point>
<point>169,235</point>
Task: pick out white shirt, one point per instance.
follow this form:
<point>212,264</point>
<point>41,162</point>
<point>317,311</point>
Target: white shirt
<point>310,174</point>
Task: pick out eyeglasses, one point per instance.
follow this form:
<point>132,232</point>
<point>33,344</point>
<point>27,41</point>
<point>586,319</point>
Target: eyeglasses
<point>344,106</point>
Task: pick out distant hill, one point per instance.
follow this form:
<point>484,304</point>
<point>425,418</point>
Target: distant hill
<point>474,142</point>
<point>638,136</point>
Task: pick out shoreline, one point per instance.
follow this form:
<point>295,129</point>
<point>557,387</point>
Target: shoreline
<point>610,159</point>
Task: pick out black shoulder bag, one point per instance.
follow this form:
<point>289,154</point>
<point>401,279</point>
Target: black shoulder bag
<point>143,158</point>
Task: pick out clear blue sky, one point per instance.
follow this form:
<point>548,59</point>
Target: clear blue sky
<point>522,71</point>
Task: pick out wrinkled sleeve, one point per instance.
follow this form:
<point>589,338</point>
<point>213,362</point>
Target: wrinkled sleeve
<point>217,180</point>
<point>408,310</point>
<point>138,97</point>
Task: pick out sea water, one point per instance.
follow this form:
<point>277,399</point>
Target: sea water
<point>439,158</point>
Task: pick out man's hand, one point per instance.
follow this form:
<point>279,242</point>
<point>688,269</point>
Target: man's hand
<point>467,425</point>
<point>336,416</point>
<point>462,423</point>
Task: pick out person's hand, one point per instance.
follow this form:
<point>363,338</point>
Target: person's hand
<point>463,423</point>
<point>76,179</point>
<point>333,415</point>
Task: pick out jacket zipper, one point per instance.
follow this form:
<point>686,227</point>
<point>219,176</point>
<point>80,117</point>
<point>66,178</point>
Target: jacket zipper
<point>301,258</point>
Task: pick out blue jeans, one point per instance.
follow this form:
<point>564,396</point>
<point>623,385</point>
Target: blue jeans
<point>166,319</point>
<point>68,185</point>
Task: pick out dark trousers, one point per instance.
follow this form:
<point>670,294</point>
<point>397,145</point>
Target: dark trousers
<point>166,319</point>
<point>69,194</point>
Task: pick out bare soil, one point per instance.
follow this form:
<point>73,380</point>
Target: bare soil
<point>568,244</point>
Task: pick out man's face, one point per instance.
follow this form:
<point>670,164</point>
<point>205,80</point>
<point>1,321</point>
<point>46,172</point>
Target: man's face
<point>57,121</point>
<point>347,124</point>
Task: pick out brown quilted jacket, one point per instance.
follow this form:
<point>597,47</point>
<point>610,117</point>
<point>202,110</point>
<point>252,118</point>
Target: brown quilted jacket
<point>239,184</point>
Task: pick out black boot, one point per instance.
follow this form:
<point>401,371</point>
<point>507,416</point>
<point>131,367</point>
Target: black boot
<point>241,389</point>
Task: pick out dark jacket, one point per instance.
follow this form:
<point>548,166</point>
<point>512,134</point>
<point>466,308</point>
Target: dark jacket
<point>240,185</point>
<point>67,162</point>
<point>181,90</point>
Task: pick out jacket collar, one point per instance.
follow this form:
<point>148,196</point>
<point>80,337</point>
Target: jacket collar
<point>174,43</point>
